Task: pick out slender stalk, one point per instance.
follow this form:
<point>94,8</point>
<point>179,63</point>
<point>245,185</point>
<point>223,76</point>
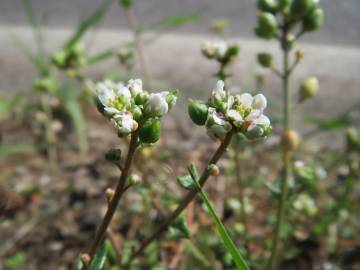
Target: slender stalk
<point>120,189</point>
<point>187,199</point>
<point>286,154</point>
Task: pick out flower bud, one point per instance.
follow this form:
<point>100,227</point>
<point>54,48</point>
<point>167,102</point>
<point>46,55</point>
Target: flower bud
<point>284,5</point>
<point>171,98</point>
<point>299,54</point>
<point>265,59</point>
<point>213,170</point>
<point>267,26</point>
<point>141,98</point>
<point>157,105</point>
<point>113,155</point>
<point>59,58</point>
<point>109,194</point>
<point>314,20</point>
<point>150,131</point>
<point>85,259</point>
<point>290,40</point>
<point>268,5</point>
<point>219,26</point>
<point>198,111</point>
<point>299,8</point>
<point>290,140</point>
<point>134,179</point>
<point>232,52</point>
<point>46,84</point>
<point>308,88</point>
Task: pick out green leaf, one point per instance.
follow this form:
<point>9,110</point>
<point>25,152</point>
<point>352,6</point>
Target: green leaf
<point>174,21</point>
<point>98,262</point>
<point>229,244</point>
<point>73,108</point>
<point>179,229</point>
<point>90,21</point>
<point>186,182</point>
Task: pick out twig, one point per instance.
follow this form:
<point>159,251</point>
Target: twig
<point>186,200</point>
<point>120,189</point>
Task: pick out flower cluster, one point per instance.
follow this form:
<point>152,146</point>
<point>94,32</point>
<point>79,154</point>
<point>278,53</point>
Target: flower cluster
<point>220,50</point>
<point>305,12</point>
<point>223,113</point>
<point>129,108</point>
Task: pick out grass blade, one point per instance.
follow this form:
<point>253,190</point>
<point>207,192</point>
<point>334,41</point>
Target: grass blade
<point>230,246</point>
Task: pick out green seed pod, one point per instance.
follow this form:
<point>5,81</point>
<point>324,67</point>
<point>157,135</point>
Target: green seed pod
<point>113,155</point>
<point>314,20</point>
<point>308,88</point>
<point>300,8</point>
<point>265,59</point>
<point>267,26</point>
<point>268,5</point>
<point>198,111</point>
<point>150,131</point>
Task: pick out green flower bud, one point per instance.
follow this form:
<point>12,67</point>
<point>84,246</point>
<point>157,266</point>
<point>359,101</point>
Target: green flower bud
<point>136,112</point>
<point>113,155</point>
<point>314,20</point>
<point>267,26</point>
<point>198,111</point>
<point>171,98</point>
<point>290,41</point>
<point>219,26</point>
<point>308,88</point>
<point>265,59</point>
<point>150,131</point>
<point>300,8</point>
<point>126,3</point>
<point>134,179</point>
<point>141,98</point>
<point>268,5</point>
<point>284,5</point>
<point>46,84</point>
<point>59,59</point>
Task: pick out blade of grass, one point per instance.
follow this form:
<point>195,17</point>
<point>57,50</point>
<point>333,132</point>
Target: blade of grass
<point>229,244</point>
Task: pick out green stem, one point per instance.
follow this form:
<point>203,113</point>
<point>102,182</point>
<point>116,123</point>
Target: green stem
<point>186,200</point>
<point>120,189</point>
<point>286,155</point>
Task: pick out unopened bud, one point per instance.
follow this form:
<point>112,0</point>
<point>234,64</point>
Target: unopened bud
<point>198,111</point>
<point>219,26</point>
<point>213,170</point>
<point>85,259</point>
<point>267,25</point>
<point>308,88</point>
<point>265,59</point>
<point>290,140</point>
<point>314,20</point>
<point>109,194</point>
<point>267,5</point>
<point>134,179</point>
<point>299,8</point>
<point>150,131</point>
<point>299,54</point>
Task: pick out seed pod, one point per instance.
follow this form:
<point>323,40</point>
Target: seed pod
<point>267,25</point>
<point>213,170</point>
<point>113,155</point>
<point>290,140</point>
<point>268,5</point>
<point>308,88</point>
<point>198,111</point>
<point>314,20</point>
<point>150,131</point>
<point>299,8</point>
<point>265,59</point>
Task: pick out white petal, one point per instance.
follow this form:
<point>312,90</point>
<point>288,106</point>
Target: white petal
<point>259,102</point>
<point>262,120</point>
<point>234,115</point>
<point>246,99</point>
<point>135,86</point>
<point>123,91</point>
<point>220,85</point>
<point>254,132</point>
<point>105,94</point>
<point>253,115</point>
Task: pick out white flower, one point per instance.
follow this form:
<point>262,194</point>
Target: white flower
<point>216,49</point>
<point>219,94</point>
<point>124,122</point>
<point>245,99</point>
<point>259,102</point>
<point>105,93</point>
<point>156,104</point>
<point>234,116</point>
<point>220,49</point>
<point>217,126</point>
<point>135,86</point>
<point>123,92</point>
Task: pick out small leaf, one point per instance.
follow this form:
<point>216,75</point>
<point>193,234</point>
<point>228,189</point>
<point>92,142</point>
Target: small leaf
<point>100,257</point>
<point>179,229</point>
<point>186,182</point>
<point>229,244</point>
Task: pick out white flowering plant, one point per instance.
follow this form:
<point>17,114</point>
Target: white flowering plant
<point>223,112</point>
<point>129,107</point>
